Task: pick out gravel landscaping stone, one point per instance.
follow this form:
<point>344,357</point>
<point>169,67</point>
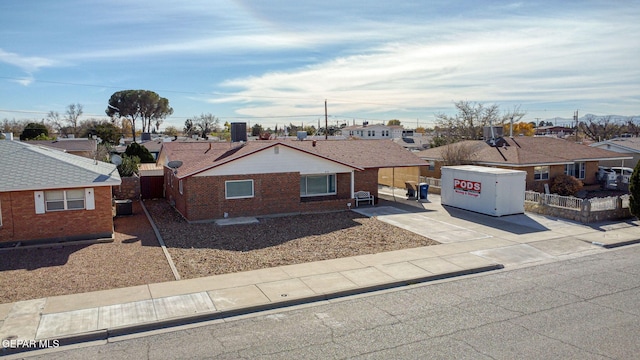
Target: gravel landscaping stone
<point>206,249</point>
<point>134,258</point>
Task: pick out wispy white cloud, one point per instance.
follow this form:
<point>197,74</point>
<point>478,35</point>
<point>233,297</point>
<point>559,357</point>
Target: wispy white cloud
<point>26,81</point>
<point>27,63</point>
<point>490,61</point>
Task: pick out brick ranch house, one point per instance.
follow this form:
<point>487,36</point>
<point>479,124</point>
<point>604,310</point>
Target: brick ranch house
<point>50,195</point>
<point>218,180</point>
<point>543,158</point>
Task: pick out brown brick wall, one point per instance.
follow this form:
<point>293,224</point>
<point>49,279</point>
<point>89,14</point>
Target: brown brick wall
<point>21,223</point>
<point>203,197</point>
<point>367,180</point>
<point>172,193</point>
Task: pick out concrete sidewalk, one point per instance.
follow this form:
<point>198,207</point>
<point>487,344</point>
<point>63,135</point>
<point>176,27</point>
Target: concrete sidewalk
<point>470,243</point>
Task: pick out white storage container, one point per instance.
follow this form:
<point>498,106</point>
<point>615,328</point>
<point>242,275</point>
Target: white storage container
<point>486,190</point>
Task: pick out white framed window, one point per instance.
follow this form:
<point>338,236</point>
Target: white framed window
<point>541,173</point>
<point>0,213</point>
<point>59,200</point>
<point>180,186</point>
<point>238,189</point>
<point>317,185</point>
<point>576,170</point>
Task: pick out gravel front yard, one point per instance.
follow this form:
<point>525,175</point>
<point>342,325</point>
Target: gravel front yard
<point>134,258</point>
<point>208,249</point>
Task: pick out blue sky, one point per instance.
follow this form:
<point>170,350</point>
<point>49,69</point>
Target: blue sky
<point>275,62</point>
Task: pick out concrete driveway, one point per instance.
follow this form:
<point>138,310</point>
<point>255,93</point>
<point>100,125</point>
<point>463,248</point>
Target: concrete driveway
<point>510,240</point>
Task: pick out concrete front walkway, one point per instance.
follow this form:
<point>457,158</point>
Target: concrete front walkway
<point>470,243</point>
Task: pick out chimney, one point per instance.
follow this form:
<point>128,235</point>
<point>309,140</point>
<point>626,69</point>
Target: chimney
<point>314,143</point>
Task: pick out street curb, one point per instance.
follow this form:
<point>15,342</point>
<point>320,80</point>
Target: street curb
<point>105,334</point>
<point>615,245</point>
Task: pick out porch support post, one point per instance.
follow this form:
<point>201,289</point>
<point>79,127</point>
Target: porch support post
<point>352,184</point>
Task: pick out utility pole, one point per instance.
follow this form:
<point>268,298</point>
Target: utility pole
<point>326,121</point>
<point>575,117</point>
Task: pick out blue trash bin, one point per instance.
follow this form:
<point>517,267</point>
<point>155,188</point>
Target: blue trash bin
<point>423,191</point>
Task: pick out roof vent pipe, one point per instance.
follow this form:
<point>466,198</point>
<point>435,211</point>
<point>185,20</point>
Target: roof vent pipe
<point>511,128</point>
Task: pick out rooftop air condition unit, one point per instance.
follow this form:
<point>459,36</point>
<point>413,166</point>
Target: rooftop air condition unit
<point>497,132</point>
<point>301,135</point>
<point>238,132</point>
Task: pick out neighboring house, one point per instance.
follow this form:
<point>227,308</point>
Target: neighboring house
<point>370,132</point>
<point>218,180</point>
<point>628,146</point>
<point>406,138</point>
<point>377,132</point>
<point>81,147</point>
<point>49,195</point>
<point>542,158</point>
<point>559,131</point>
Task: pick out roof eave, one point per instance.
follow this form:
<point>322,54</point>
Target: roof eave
<point>611,158</point>
<point>62,186</point>
<point>523,165</point>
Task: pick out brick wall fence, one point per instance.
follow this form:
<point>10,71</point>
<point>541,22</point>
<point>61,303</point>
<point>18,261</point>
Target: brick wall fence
<point>584,215</point>
<point>129,189</point>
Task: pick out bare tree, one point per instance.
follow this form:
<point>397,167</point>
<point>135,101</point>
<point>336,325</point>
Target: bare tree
<point>467,124</point>
<point>13,126</point>
<point>72,116</point>
<point>204,124</point>
<point>599,128</point>
<point>53,117</point>
<point>460,153</point>
<point>632,128</point>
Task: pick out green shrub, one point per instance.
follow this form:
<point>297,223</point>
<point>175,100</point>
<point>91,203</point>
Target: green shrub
<point>135,149</point>
<point>33,130</point>
<point>129,165</point>
<point>565,185</point>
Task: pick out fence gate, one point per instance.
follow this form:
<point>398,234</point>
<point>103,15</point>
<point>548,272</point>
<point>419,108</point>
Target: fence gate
<point>151,187</point>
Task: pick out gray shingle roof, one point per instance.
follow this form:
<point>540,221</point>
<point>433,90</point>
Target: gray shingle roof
<point>30,167</point>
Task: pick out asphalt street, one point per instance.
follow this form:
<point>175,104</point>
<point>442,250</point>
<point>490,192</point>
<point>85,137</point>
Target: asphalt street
<point>580,308</point>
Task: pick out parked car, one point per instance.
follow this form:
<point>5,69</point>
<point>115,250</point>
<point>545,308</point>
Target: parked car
<point>623,174</point>
<point>619,170</point>
<point>606,174</point>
